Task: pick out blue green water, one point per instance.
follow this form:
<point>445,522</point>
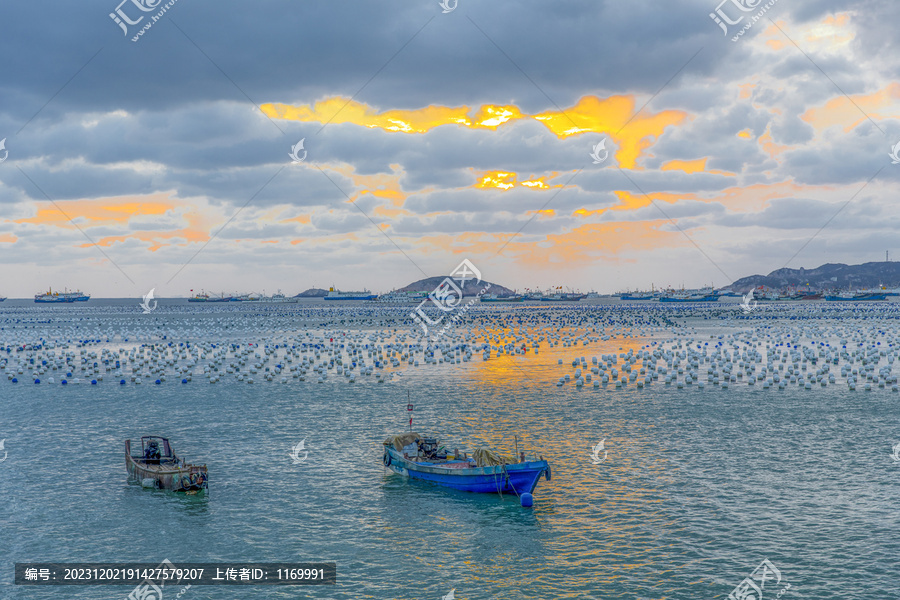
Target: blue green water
<point>699,486</point>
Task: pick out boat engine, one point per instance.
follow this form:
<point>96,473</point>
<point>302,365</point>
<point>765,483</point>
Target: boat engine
<point>429,447</point>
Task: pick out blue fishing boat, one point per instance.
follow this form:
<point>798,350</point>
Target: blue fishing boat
<point>422,458</point>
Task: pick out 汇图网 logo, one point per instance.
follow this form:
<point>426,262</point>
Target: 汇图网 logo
<point>295,453</point>
<point>295,152</point>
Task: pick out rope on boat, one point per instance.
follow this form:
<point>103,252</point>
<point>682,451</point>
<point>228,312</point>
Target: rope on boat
<point>510,483</point>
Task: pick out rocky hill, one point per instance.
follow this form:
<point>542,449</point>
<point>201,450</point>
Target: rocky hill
<point>827,277</point>
<point>312,293</point>
<point>471,288</point>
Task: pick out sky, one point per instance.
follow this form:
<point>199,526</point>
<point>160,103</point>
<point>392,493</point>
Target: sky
<point>595,145</point>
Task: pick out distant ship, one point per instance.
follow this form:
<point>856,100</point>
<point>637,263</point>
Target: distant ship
<point>555,297</point>
<point>204,297</point>
<point>688,297</point>
<point>334,294</point>
<point>55,297</point>
<point>252,297</point>
<point>854,297</point>
<point>638,296</point>
<point>278,298</point>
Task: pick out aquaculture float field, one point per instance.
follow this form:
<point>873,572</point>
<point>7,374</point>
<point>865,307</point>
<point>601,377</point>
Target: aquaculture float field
<point>729,437</point>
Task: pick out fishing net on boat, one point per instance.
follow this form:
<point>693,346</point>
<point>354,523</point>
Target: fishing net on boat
<point>485,457</point>
<point>401,439</point>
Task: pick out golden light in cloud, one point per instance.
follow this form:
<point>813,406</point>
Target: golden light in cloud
<point>420,120</point>
<point>537,183</point>
<point>8,238</point>
<point>697,165</point>
<point>342,110</point>
<point>491,117</point>
<point>586,242</point>
<point>745,133</point>
<point>613,116</point>
<point>328,239</point>
<point>392,213</point>
<point>775,39</point>
<point>692,166</point>
<point>769,146</point>
<point>380,185</point>
<point>505,180</point>
<point>582,245</point>
<point>121,211</point>
<point>756,197</point>
<point>749,198</point>
<point>100,211</point>
<point>302,219</point>
<point>843,111</point>
<point>496,179</point>
<point>609,117</point>
<point>154,238</point>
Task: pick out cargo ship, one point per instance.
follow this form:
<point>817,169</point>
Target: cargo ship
<point>55,297</point>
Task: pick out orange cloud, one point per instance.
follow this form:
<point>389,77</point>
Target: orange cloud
<point>302,219</point>
<point>692,166</point>
<point>421,120</point>
<point>496,179</point>
<point>326,239</point>
<point>100,211</point>
<point>740,199</point>
<point>8,238</point>
<point>613,116</point>
<point>582,245</point>
<point>770,147</point>
<point>380,185</point>
<point>776,40</point>
<point>153,237</point>
<point>688,166</point>
<point>505,180</point>
<point>120,211</point>
<point>840,110</point>
<point>610,116</point>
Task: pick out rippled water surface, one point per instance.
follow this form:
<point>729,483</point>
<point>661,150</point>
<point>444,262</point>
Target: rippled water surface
<point>699,485</point>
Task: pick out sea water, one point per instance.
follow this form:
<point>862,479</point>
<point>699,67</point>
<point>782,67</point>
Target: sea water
<point>693,490</point>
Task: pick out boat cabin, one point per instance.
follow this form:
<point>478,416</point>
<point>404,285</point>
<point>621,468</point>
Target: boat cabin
<point>154,450</point>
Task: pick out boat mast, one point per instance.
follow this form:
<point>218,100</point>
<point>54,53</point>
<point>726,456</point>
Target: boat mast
<point>409,409</point>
